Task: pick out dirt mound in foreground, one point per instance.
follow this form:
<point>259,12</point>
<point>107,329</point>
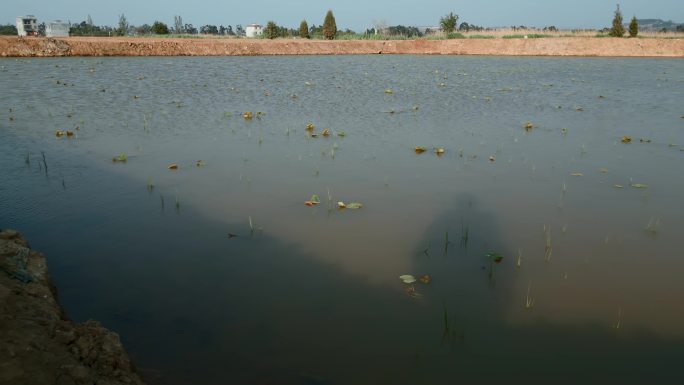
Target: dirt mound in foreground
<point>38,343</point>
<point>561,46</point>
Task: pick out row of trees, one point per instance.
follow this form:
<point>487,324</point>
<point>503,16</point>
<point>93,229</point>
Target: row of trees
<point>618,30</point>
<point>327,30</point>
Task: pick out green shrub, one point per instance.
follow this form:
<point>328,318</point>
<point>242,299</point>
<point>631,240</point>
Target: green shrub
<point>160,28</point>
<point>448,23</point>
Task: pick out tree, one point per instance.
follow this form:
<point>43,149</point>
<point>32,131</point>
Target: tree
<point>89,26</point>
<point>239,30</point>
<point>617,30</point>
<point>329,26</point>
<point>159,28</point>
<point>271,30</point>
<point>448,22</point>
<point>144,29</point>
<point>229,31</point>
<point>633,27</point>
<point>209,30</point>
<point>178,24</point>
<point>189,28</point>
<point>464,27</point>
<point>8,29</point>
<point>304,30</point>
<point>123,26</point>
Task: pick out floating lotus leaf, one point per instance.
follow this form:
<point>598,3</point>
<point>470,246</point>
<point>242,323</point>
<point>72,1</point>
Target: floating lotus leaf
<point>408,278</point>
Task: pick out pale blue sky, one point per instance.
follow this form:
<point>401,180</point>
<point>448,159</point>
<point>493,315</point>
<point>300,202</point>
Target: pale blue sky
<point>355,14</point>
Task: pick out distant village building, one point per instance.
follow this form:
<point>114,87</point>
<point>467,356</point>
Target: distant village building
<point>57,29</point>
<point>27,25</point>
<point>254,30</point>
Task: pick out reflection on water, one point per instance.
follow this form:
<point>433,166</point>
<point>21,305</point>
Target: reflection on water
<point>310,295</point>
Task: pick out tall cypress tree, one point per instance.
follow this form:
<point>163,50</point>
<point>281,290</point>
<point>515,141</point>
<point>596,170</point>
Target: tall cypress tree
<point>633,27</point>
<point>617,30</point>
<point>304,30</point>
<point>329,26</point>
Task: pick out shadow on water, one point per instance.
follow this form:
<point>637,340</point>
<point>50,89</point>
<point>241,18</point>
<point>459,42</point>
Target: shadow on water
<point>481,345</point>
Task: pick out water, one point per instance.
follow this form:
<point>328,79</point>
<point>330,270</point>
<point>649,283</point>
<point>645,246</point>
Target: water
<point>311,295</point>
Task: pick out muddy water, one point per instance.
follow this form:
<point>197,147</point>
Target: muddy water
<point>589,287</point>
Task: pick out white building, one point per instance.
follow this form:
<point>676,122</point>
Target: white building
<point>27,25</point>
<point>57,29</point>
<point>254,30</point>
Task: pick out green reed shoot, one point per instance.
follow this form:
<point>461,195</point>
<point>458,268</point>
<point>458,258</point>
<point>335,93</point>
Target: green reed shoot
<point>45,162</point>
<point>529,301</point>
<point>547,249</point>
<point>465,230</point>
<point>251,226</point>
<point>619,319</point>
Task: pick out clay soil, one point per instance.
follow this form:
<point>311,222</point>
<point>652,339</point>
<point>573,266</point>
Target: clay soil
<point>39,345</point>
<point>557,46</point>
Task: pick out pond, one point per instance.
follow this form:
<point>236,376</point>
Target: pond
<point>545,241</point>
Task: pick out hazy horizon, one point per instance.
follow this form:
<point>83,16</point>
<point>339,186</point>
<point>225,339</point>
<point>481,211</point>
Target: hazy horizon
<point>352,14</point>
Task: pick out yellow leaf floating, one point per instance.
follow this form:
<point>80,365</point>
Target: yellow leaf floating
<point>310,127</point>
<point>425,279</point>
<point>528,126</point>
<point>419,150</point>
<point>173,166</point>
<point>388,91</point>
<point>247,115</point>
<point>626,139</point>
<point>201,163</point>
<point>411,291</point>
<point>325,132</point>
<point>576,174</point>
<point>439,151</point>
<point>341,205</point>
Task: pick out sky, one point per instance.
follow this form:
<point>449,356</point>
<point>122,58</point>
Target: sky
<point>353,14</point>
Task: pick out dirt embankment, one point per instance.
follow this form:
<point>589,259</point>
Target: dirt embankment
<point>38,343</point>
<point>561,46</point>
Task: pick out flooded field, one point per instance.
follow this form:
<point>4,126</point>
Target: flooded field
<point>538,235</point>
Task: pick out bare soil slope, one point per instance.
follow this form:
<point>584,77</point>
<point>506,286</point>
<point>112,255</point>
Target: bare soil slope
<point>38,343</point>
<point>561,46</point>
